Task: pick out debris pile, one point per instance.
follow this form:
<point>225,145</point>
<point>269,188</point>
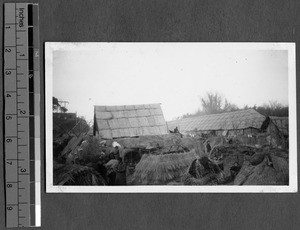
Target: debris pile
<point>171,160</point>
<point>241,165</point>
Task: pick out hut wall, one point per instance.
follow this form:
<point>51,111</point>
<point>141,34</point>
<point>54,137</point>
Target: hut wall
<point>276,135</point>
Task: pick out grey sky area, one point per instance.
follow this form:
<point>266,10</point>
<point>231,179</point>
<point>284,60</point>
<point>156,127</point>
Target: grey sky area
<point>173,74</point>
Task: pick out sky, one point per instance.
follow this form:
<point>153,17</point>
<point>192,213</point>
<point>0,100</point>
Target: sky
<point>176,75</point>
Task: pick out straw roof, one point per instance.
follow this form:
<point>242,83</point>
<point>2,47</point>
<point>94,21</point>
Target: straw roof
<point>161,169</point>
<point>129,120</point>
<point>241,119</point>
<point>282,123</point>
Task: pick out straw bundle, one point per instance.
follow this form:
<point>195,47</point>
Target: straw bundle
<point>74,174</point>
<point>161,169</point>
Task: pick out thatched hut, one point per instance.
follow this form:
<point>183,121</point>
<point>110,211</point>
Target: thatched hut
<point>241,122</point>
<point>162,169</point>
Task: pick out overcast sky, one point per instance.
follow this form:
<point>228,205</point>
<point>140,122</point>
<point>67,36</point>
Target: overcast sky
<point>173,74</point>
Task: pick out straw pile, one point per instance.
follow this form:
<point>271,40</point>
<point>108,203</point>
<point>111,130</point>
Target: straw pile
<point>73,174</point>
<point>162,169</point>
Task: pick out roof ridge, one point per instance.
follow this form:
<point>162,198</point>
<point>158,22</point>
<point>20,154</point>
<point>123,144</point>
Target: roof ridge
<point>218,114</point>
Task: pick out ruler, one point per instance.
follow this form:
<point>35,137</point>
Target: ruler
<point>22,115</point>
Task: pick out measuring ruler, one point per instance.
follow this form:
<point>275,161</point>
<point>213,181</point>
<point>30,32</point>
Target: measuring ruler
<point>22,115</point>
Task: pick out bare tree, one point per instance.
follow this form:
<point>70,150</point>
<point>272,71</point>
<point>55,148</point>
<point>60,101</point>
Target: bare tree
<point>212,103</point>
<point>228,106</point>
<point>215,103</point>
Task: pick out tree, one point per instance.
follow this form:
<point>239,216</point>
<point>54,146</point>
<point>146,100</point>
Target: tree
<point>55,104</point>
<point>228,106</point>
<point>273,108</point>
<point>57,107</point>
<point>213,103</point>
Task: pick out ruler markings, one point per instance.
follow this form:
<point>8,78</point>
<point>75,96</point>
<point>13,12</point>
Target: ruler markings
<point>17,119</point>
<point>18,34</point>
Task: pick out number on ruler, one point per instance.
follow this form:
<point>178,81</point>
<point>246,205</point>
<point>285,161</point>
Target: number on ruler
<point>22,111</point>
<point>8,117</point>
<point>8,140</point>
<point>7,50</point>
<point>9,162</point>
<point>8,95</point>
<point>7,72</point>
<point>9,185</point>
<point>9,208</point>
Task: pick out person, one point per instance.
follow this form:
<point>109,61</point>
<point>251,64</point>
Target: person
<point>101,169</point>
<point>120,172</point>
<point>111,171</point>
<point>208,147</point>
<point>176,130</point>
<point>116,150</point>
<point>111,176</point>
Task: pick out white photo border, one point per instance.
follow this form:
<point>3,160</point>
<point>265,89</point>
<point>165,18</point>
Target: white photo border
<point>50,47</point>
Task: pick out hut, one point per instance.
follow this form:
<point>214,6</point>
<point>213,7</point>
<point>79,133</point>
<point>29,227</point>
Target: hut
<point>129,121</point>
<point>242,122</point>
<point>162,169</point>
<point>282,123</point>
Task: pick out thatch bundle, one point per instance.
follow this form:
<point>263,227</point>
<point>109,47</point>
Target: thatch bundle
<point>73,174</point>
<point>162,169</point>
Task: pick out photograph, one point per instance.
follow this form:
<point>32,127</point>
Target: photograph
<point>170,117</point>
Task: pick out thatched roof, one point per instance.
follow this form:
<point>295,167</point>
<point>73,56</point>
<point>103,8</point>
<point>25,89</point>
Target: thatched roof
<point>129,120</point>
<point>282,123</point>
<point>161,169</point>
<point>241,119</point>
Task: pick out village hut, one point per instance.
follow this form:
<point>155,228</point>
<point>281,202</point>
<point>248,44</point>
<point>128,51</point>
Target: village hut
<point>162,169</point>
<point>112,122</point>
<point>282,123</point>
<point>242,122</point>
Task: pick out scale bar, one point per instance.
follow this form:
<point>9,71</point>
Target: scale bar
<point>22,170</point>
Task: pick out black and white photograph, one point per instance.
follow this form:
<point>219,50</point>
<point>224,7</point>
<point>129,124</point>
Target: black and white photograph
<point>170,117</point>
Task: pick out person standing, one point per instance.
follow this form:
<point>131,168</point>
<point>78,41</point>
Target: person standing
<point>208,147</point>
<point>101,169</point>
<point>120,172</point>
